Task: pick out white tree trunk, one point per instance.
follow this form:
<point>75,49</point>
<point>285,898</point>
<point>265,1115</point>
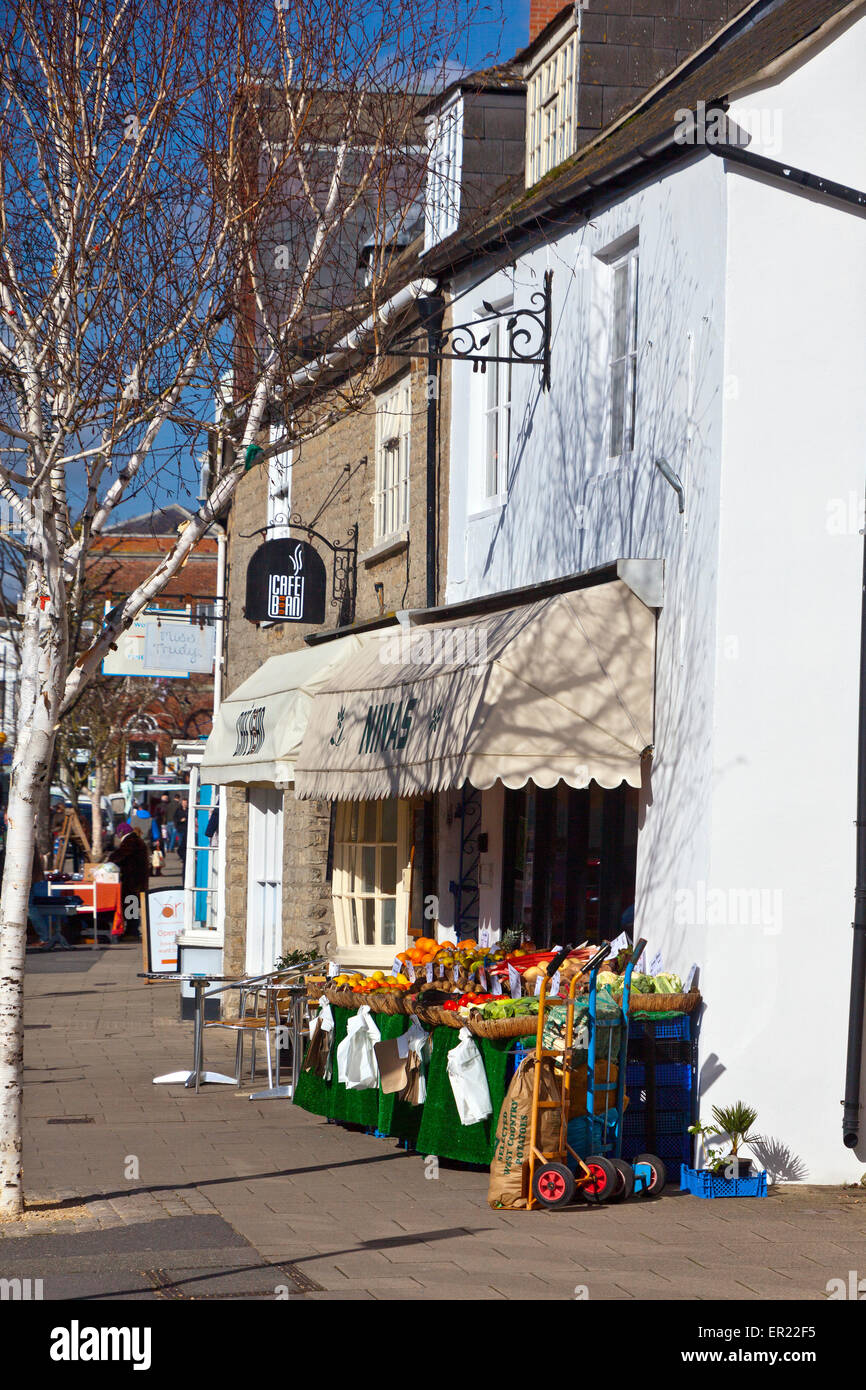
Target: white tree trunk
<point>42,672</point>
<point>96,815</point>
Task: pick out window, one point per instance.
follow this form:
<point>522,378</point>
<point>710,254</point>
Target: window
<point>279,489</point>
<point>265,880</point>
<point>622,368</point>
<point>497,413</point>
<point>370,854</point>
<point>551,112</point>
<point>442,203</point>
<point>391,500</point>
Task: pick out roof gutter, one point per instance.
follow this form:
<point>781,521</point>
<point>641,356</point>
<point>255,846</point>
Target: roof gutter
<point>353,341</point>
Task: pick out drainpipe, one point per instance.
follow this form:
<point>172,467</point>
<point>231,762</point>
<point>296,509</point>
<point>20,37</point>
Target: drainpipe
<point>431,311</point>
<point>851,1103</point>
<point>801,179</point>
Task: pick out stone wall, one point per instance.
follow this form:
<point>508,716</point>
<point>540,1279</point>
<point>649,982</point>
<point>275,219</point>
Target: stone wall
<point>342,461</point>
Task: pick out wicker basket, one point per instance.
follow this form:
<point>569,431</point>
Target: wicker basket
<point>385,1002</point>
<point>522,1027</point>
<point>664,1003</point>
<point>434,1016</point>
<point>343,998</point>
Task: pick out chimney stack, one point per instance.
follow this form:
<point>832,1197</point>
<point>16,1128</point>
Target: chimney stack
<point>541,12</point>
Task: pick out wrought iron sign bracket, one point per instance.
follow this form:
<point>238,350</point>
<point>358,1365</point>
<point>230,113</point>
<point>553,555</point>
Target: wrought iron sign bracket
<point>528,331</point>
<point>344,561</point>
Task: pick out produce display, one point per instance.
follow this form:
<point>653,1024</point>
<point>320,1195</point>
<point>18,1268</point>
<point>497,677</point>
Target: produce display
<point>468,979</point>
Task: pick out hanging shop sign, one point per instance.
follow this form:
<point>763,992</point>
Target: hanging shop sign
<point>286,583</point>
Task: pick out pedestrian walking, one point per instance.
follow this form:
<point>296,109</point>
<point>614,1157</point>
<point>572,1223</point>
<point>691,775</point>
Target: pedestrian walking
<point>132,858</point>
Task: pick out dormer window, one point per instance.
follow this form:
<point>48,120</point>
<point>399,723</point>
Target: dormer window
<point>552,110</point>
<point>442,210</point>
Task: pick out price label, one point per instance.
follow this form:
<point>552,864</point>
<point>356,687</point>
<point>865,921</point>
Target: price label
<point>641,965</point>
<point>397,967</point>
<point>515,984</point>
<point>690,978</point>
<point>333,969</point>
<point>410,971</point>
<point>554,984</point>
<point>428,971</point>
<point>620,944</point>
<point>497,985</point>
<point>441,971</point>
<point>484,936</point>
<point>482,975</point>
<point>656,966</point>
<point>538,985</point>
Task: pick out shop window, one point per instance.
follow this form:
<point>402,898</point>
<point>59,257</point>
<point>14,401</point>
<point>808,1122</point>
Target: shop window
<point>370,856</point>
<point>569,862</point>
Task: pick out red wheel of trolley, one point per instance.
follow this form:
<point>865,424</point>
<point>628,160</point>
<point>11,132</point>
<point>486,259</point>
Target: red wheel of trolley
<point>602,1182</point>
<point>650,1175</point>
<point>553,1185</point>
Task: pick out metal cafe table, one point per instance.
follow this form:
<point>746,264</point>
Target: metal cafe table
<point>200,983</point>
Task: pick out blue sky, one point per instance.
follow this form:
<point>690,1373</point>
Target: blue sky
<point>499,29</point>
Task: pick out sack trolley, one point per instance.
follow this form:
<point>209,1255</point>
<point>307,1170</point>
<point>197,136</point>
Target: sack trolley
<point>603,1176</point>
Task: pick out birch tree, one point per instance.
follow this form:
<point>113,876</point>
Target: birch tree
<point>182,192</point>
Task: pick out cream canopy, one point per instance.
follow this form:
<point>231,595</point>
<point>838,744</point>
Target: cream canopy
<point>258,729</point>
<point>560,689</point>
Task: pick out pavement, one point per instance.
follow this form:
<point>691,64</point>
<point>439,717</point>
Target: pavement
<point>138,1191</point>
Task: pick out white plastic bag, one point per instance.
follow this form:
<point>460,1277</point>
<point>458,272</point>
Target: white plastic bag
<point>356,1059</point>
<point>320,1054</point>
<point>469,1080</point>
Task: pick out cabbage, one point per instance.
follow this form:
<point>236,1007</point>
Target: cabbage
<point>607,977</point>
<point>643,984</point>
<point>668,984</point>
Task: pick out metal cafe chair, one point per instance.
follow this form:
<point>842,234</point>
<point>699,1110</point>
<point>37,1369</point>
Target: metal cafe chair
<point>290,1011</point>
<point>256,1016</point>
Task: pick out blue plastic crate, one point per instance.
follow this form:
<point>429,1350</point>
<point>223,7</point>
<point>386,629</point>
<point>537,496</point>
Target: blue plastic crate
<point>666,1122</point>
<point>679,1028</point>
<point>667,1098</point>
<point>704,1184</point>
<point>673,1148</point>
<point>666,1074</point>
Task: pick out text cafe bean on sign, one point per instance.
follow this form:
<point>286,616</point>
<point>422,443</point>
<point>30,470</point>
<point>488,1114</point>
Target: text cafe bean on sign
<point>286,583</point>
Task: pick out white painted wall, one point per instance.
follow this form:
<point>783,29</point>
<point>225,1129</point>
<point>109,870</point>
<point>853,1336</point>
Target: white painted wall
<point>786,694</point>
<point>752,384</point>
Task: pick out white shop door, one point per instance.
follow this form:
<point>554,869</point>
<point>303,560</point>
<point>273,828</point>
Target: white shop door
<point>265,884</point>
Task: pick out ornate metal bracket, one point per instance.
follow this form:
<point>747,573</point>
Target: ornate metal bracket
<point>528,332</point>
<point>344,561</point>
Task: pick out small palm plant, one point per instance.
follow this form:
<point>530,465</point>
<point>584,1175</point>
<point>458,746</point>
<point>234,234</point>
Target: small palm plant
<point>734,1122</point>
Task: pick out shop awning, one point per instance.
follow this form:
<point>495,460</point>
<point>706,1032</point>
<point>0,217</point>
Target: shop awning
<point>560,689</point>
<point>259,727</point>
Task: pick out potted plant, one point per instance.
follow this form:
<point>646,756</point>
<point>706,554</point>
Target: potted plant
<point>733,1122</point>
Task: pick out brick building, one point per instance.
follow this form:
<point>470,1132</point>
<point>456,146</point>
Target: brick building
<point>122,558</point>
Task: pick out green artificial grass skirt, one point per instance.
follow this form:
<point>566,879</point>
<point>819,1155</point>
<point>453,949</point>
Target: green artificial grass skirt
<point>432,1128</point>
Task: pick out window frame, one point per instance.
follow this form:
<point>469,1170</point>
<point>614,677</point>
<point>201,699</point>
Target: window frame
<point>497,386</point>
<point>552,111</point>
<point>391,498</point>
<point>624,355</point>
<point>442,193</point>
<point>347,875</point>
<point>279,489</point>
